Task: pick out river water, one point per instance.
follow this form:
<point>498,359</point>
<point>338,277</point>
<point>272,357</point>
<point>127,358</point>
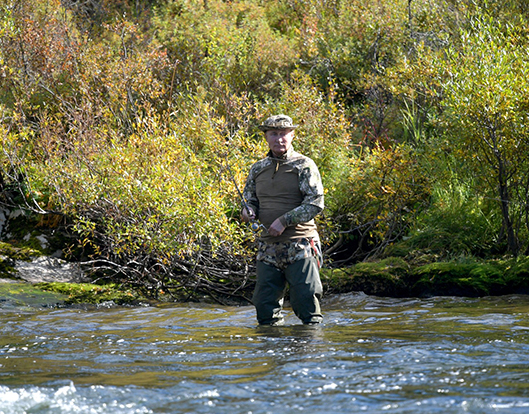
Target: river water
<point>375,355</point>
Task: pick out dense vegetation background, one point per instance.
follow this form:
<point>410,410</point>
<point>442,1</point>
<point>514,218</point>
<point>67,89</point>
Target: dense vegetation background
<point>128,122</point>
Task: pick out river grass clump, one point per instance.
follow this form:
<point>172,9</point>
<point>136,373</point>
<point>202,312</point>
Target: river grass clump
<point>81,293</point>
<point>25,294</point>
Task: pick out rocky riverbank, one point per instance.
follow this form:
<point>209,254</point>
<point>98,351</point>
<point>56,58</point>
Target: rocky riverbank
<point>29,279</point>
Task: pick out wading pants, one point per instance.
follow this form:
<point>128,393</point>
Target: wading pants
<point>305,288</point>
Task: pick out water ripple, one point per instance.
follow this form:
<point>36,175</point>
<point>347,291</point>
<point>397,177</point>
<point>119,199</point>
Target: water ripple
<point>436,355</point>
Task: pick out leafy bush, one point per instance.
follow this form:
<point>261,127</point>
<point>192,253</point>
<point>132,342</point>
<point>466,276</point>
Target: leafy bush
<point>224,43</point>
<point>457,222</point>
<point>132,122</point>
<point>378,200</point>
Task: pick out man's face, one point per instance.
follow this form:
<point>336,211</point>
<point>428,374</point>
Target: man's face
<point>279,140</point>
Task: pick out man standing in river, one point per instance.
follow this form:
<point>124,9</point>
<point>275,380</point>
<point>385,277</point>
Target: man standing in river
<point>284,192</point>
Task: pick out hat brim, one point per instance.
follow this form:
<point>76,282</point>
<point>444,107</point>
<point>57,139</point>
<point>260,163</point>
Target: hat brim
<point>265,128</point>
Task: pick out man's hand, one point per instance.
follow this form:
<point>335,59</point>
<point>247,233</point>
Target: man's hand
<point>247,215</point>
<point>276,228</point>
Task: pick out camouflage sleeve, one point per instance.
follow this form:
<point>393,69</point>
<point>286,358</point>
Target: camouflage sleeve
<point>311,187</point>
<point>249,192</point>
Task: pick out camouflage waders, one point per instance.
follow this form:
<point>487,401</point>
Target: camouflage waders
<point>296,263</point>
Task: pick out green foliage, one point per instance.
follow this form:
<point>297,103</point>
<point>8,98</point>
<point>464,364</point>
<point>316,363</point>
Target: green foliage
<point>157,193</point>
<point>458,222</point>
<point>348,40</point>
<point>486,106</point>
<point>379,198</point>
<point>224,43</point>
<point>517,273</point>
<point>469,97</point>
<point>124,116</point>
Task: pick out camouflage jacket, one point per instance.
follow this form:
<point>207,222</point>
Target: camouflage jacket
<point>310,187</point>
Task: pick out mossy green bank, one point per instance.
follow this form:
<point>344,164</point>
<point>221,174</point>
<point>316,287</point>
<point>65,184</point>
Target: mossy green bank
<point>396,277</point>
<point>78,293</point>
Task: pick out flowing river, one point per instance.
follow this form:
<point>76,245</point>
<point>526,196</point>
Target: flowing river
<point>375,355</point>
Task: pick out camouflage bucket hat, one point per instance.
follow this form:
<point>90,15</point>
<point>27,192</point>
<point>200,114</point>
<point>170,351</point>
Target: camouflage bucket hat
<point>277,122</point>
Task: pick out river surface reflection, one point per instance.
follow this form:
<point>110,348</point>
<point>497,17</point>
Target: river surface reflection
<point>437,355</point>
